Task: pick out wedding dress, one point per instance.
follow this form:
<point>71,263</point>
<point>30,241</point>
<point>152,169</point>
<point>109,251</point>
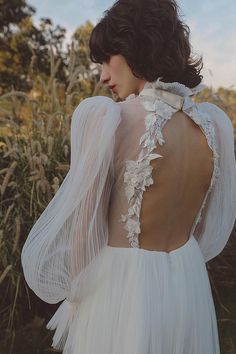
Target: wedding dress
<point>110,245</point>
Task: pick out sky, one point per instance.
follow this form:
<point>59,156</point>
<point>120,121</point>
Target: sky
<point>212,26</point>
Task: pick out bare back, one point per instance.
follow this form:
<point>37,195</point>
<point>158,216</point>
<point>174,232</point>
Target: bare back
<point>168,207</point>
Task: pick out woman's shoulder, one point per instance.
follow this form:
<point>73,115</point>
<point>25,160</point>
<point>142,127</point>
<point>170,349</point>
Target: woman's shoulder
<point>93,107</point>
<point>97,100</point>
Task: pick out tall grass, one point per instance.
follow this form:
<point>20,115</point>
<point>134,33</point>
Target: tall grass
<point>34,153</point>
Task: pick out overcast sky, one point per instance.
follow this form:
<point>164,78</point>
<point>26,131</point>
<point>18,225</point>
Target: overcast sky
<point>212,24</point>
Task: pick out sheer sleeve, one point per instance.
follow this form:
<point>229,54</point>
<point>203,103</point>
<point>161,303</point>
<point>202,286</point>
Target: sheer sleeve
<point>218,217</point>
<point>72,228</point>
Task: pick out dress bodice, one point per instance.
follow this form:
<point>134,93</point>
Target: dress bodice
<point>160,101</point>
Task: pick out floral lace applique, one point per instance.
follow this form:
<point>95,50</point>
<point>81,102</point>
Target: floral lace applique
<point>138,174</point>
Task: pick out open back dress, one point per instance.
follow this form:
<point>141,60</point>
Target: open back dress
<point>150,197</point>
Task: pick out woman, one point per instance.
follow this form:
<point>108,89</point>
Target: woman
<point>149,198</point>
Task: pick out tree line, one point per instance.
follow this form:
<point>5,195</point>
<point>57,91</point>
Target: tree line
<point>25,47</point>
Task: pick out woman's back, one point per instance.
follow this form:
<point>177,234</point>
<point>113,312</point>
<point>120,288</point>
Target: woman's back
<point>181,178</point>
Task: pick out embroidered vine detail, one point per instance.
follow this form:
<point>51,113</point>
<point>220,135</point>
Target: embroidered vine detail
<point>205,123</point>
<point>138,174</point>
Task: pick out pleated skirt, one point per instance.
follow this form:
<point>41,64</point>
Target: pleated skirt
<point>137,301</point>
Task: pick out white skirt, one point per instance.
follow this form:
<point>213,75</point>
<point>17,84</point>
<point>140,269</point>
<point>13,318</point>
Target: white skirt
<point>137,301</point>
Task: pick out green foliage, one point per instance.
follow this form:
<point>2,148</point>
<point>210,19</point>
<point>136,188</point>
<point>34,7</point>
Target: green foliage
<point>12,13</point>
<point>26,54</point>
<point>25,48</point>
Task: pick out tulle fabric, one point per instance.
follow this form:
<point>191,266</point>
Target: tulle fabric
<point>145,302</point>
<point>73,227</point>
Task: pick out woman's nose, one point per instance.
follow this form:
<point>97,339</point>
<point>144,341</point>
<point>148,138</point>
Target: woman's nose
<point>104,76</point>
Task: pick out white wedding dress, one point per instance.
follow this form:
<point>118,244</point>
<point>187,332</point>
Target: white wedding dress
<point>150,197</point>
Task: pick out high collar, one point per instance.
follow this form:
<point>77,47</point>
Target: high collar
<point>175,94</point>
<point>172,87</point>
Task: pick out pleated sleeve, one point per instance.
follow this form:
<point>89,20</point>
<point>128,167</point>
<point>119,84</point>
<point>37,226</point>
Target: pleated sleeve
<point>73,227</point>
<point>219,214</point>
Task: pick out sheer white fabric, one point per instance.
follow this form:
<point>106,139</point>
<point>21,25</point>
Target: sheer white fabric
<point>72,228</point>
<point>76,224</point>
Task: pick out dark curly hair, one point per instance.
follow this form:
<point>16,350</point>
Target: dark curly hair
<point>152,39</point>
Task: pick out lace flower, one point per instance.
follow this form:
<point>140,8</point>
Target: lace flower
<point>138,175</point>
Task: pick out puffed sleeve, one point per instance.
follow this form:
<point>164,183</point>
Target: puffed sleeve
<point>219,214</point>
<point>73,228</point>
